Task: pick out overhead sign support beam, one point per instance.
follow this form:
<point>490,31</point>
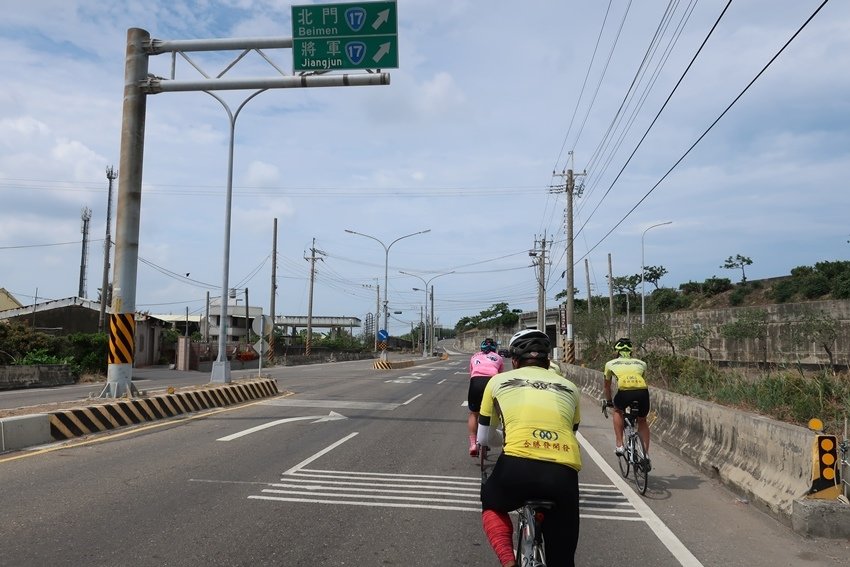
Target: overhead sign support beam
<point>137,85</point>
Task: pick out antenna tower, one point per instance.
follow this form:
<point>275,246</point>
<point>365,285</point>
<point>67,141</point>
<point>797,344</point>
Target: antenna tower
<point>86,217</point>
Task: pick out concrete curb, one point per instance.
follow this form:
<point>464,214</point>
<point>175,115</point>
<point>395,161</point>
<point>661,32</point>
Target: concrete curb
<point>767,461</point>
<point>22,431</point>
<point>25,431</point>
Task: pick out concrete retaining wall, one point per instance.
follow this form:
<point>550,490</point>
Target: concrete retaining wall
<point>39,375</point>
<point>767,461</point>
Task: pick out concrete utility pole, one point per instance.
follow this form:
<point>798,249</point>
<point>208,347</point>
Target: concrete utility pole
<point>570,191</point>
<point>610,294</point>
<point>539,255</point>
<point>122,320</point>
<point>107,244</point>
<point>274,292</point>
<point>308,342</point>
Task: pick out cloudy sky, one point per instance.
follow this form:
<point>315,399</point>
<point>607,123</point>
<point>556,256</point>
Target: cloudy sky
<point>489,99</point>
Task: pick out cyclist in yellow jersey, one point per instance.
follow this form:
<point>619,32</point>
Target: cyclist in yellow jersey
<point>539,410</point>
<point>631,385</point>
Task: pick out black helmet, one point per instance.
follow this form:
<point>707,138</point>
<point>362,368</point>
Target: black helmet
<point>530,343</point>
<point>623,345</point>
<point>488,345</point>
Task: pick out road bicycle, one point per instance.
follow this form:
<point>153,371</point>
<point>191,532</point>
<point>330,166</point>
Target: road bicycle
<point>634,458</point>
<point>530,548</point>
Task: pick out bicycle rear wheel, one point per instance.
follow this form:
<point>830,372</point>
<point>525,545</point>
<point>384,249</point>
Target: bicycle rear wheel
<point>640,462</point>
<point>624,459</point>
<point>525,537</point>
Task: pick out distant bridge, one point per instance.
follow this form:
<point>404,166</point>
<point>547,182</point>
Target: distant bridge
<point>300,321</point>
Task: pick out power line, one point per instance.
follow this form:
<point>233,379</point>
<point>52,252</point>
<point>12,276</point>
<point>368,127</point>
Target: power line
<point>654,120</point>
<point>711,126</point>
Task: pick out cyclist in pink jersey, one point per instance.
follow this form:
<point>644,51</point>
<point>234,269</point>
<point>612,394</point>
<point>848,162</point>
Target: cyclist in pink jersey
<point>482,366</point>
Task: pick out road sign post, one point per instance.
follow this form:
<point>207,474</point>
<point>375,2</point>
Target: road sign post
<point>329,37</point>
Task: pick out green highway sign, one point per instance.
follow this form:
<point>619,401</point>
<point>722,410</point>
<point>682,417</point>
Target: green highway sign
<point>328,37</point>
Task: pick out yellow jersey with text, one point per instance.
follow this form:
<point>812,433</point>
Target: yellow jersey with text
<point>539,410</point>
<point>629,373</point>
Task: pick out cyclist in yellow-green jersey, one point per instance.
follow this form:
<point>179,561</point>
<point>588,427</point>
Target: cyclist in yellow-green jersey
<point>631,385</point>
<point>540,459</point>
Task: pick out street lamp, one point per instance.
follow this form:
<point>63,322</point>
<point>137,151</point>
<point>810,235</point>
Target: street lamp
<point>386,267</point>
<point>425,342</point>
<point>642,271</point>
<point>221,366</point>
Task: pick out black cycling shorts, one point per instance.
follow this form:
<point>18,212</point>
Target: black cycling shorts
<point>515,480</point>
<point>476,392</point>
<point>624,398</point>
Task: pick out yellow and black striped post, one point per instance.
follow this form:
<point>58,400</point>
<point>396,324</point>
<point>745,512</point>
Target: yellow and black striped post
<point>122,350</point>
<point>122,338</point>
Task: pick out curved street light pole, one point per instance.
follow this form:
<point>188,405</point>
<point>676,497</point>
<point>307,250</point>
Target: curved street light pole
<point>386,268</point>
<point>426,340</point>
<point>221,366</point>
<point>642,271</point>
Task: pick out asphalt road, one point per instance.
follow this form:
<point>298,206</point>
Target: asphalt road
<point>356,467</point>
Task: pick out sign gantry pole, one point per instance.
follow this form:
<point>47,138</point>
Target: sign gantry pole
<point>356,54</point>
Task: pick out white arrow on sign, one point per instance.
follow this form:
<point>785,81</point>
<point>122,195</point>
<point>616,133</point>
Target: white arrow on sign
<point>333,416</point>
<point>383,16</point>
<point>382,50</point>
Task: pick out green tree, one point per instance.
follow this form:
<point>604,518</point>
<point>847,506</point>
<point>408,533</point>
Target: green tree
<point>821,329</point>
<point>498,315</point>
<point>656,328</point>
<point>653,274</point>
<point>735,262</point>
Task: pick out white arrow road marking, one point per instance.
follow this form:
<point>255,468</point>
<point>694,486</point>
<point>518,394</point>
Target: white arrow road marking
<point>383,50</point>
<point>382,18</point>
<point>333,416</point>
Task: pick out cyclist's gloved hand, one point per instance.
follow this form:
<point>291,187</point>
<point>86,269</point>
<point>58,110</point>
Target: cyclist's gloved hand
<point>608,404</point>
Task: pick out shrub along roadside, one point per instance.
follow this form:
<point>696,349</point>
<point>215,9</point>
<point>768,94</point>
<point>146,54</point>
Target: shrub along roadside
<point>783,395</point>
<point>85,353</point>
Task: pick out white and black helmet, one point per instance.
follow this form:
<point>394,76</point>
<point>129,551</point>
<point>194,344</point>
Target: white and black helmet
<point>530,343</point>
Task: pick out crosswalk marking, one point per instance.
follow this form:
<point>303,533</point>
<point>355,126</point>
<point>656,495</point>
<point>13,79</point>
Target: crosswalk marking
<point>421,491</point>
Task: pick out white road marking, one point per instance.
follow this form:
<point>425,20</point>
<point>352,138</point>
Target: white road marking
<point>338,404</point>
<point>327,449</point>
<point>333,416</point>
<point>411,399</point>
<point>682,554</point>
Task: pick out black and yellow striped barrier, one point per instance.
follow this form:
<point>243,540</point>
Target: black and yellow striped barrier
<point>387,365</point>
<point>66,424</point>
